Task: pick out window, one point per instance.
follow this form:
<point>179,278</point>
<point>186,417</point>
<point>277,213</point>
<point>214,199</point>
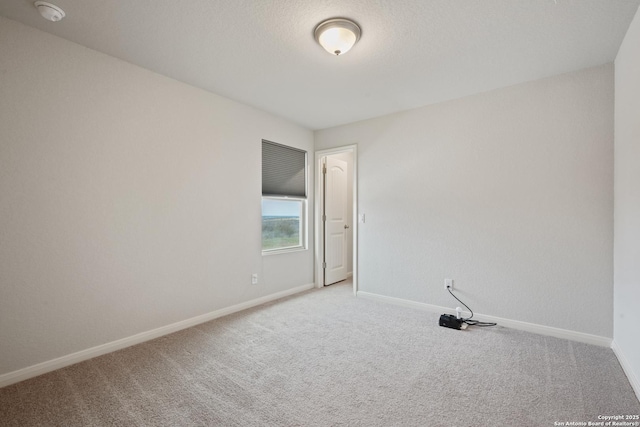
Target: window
<point>284,197</point>
<point>282,223</point>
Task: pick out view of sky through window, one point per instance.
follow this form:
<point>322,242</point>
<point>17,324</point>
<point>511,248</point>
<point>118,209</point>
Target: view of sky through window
<point>286,208</point>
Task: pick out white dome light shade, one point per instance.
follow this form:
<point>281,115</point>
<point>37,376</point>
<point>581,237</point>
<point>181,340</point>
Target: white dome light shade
<point>337,40</point>
<point>49,11</point>
<point>337,36</point>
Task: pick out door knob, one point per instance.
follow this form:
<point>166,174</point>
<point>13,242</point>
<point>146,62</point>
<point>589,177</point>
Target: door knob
<point>346,226</point>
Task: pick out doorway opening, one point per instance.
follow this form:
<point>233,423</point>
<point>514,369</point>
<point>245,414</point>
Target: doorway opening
<point>336,227</point>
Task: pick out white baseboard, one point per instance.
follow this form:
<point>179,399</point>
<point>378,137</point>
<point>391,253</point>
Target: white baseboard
<point>626,367</point>
<point>70,359</point>
<point>514,324</point>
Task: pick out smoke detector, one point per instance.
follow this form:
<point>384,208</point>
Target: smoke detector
<point>49,11</point>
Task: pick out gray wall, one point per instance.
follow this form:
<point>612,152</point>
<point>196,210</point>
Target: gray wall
<point>129,201</point>
<point>627,203</point>
<point>510,193</point>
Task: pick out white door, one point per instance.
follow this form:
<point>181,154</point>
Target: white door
<point>336,224</point>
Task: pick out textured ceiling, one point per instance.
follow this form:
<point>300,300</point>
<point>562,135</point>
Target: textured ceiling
<point>412,52</point>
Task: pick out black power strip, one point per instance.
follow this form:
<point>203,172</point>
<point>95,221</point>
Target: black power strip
<point>450,321</point>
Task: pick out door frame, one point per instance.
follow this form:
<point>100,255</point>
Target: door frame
<point>319,209</point>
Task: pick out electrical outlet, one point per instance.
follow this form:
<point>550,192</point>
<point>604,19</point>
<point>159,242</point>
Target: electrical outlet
<point>254,279</point>
<point>448,284</point>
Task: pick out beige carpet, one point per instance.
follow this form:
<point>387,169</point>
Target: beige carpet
<point>326,358</point>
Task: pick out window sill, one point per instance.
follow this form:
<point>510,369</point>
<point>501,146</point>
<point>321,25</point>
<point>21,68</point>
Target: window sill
<point>283,251</point>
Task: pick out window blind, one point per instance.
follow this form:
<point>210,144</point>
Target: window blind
<point>283,170</point>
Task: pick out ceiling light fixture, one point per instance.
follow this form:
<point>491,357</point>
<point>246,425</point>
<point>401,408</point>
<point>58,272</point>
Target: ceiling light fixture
<point>49,11</point>
<point>337,35</point>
